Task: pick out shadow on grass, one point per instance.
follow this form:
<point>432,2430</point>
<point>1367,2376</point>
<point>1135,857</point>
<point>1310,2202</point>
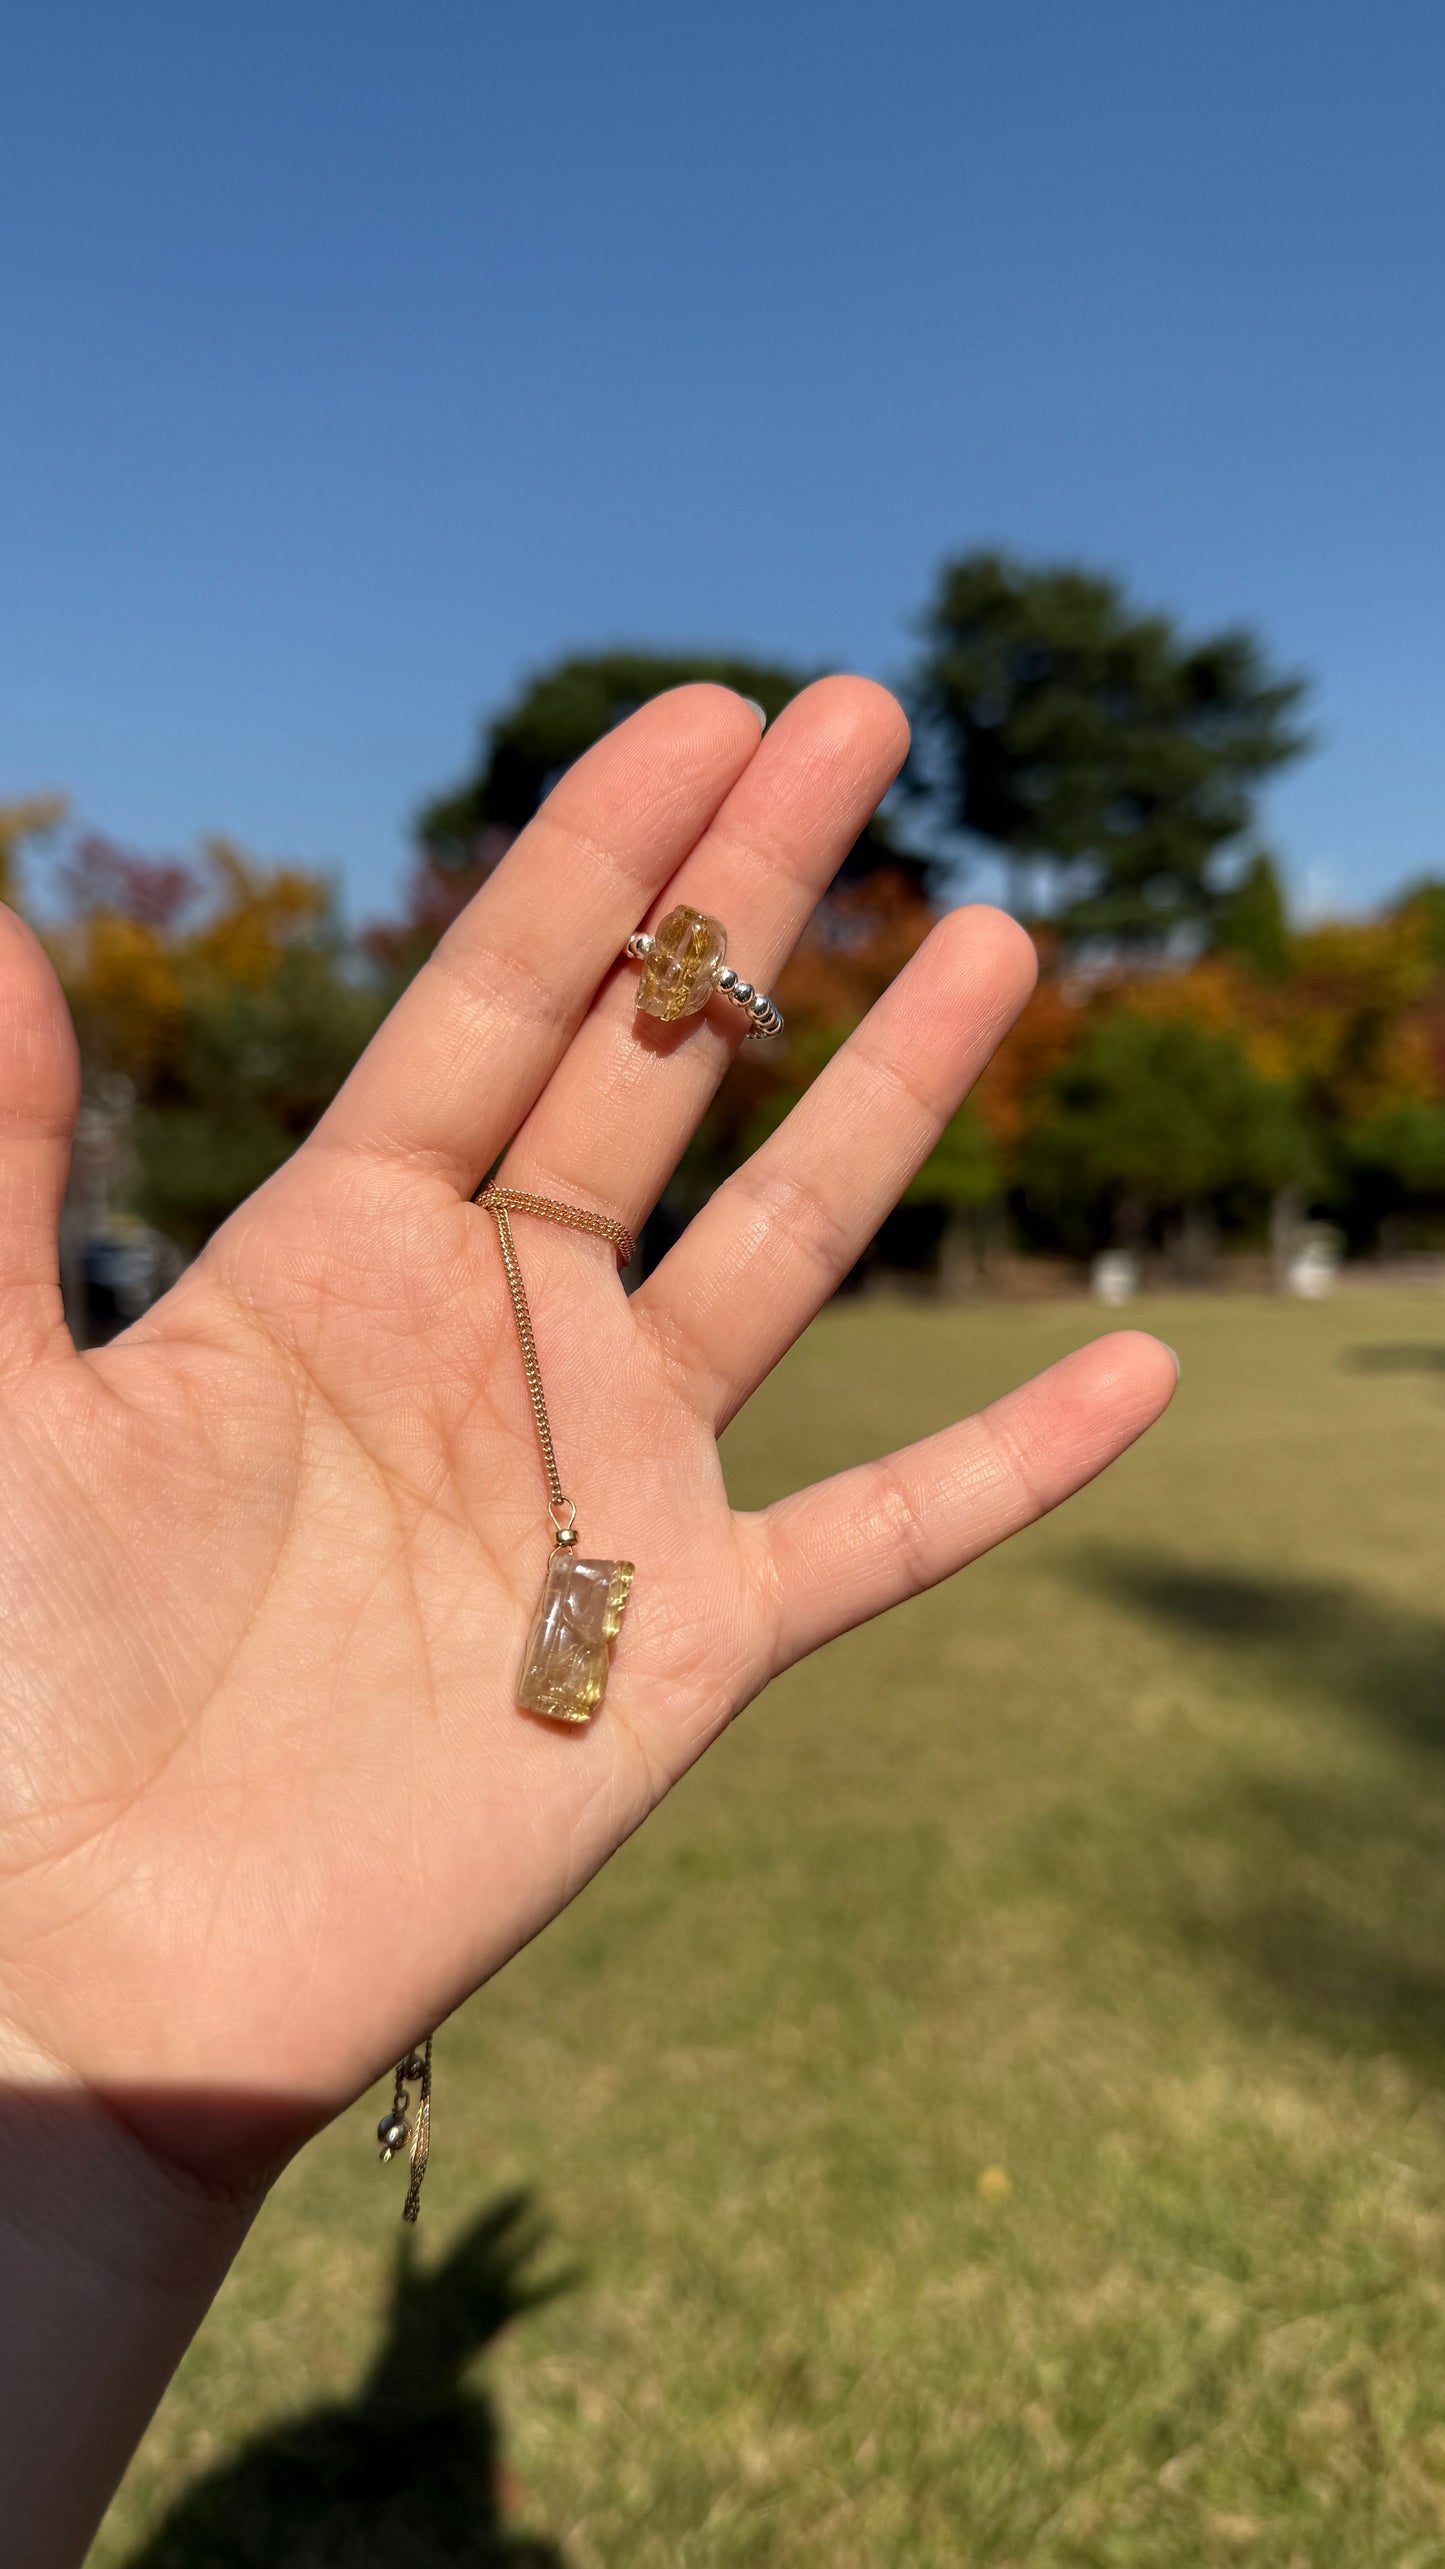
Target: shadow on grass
<point>1403,1357</point>
<point>1320,1886</point>
<point>1311,1635</point>
<point>408,2469</point>
<point>1335,1913</point>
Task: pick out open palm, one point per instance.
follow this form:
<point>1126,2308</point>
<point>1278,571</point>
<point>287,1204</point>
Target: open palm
<point>267,1809</point>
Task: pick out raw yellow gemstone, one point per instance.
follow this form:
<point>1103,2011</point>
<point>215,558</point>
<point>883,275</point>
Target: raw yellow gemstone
<point>680,974</point>
<point>564,1672</point>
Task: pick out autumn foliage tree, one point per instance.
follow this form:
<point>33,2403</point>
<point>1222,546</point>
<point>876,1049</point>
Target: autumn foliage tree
<point>222,993</point>
<point>1153,1120</point>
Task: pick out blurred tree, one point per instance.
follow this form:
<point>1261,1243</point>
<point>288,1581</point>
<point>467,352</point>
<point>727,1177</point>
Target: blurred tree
<point>115,951</point>
<point>224,997</point>
<point>1404,1148</point>
<point>1148,1119</point>
<point>1076,734</point>
<point>252,1067</point>
<point>33,816</point>
<point>961,1173</point>
<point>1358,1025</point>
<point>961,1182</point>
<point>1042,1038</point>
<point>1251,920</point>
<point>1422,904</point>
<point>1389,1177</point>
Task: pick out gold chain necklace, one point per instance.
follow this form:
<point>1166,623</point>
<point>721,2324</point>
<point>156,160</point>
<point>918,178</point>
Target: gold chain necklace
<point>565,1663</point>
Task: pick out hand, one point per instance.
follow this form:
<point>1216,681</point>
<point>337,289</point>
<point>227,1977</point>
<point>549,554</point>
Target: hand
<point>267,1809</point>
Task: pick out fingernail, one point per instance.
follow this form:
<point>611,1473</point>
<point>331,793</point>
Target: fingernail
<point>755,708</point>
<point>1170,1351</point>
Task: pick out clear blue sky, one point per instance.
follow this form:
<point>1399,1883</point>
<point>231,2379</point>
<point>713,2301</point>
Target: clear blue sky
<point>358,358</point>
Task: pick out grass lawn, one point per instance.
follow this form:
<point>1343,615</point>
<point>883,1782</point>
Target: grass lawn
<point>995,2114</point>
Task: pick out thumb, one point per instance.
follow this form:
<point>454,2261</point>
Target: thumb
<point>39,1100</point>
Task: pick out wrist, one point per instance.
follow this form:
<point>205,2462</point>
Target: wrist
<point>109,2258</point>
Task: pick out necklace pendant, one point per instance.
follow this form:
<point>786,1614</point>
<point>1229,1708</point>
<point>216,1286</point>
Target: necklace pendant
<point>564,1668</point>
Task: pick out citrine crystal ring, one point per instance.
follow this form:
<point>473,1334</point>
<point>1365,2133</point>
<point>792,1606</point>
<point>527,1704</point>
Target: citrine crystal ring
<point>684,965</point>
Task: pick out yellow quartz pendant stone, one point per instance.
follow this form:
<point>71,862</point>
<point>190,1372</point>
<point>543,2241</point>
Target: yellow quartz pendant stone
<point>564,1672</point>
<point>680,973</point>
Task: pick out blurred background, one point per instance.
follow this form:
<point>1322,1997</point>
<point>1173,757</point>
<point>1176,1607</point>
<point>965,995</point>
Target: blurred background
<point>1042,2154</point>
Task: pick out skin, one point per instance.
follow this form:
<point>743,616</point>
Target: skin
<point>267,1809</point>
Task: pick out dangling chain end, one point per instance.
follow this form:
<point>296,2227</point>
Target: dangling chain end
<point>396,2127</point>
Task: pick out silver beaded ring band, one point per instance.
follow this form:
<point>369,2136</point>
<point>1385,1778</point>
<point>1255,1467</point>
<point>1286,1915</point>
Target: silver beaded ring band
<point>684,965</point>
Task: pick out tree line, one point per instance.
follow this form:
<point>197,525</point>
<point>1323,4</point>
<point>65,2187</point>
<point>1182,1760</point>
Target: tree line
<point>1194,1068</point>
